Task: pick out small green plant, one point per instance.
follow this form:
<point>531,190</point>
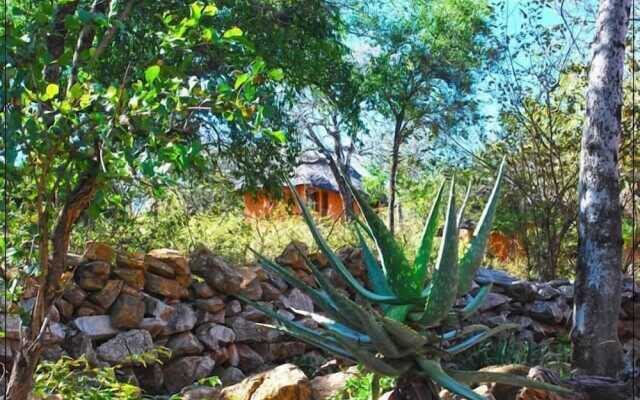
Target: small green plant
<point>76,379</point>
<point>418,325</point>
<point>359,387</point>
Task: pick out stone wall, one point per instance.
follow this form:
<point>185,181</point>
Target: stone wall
<point>118,305</point>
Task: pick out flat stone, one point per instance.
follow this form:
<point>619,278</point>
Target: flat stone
<point>173,258</point>
<point>155,326</point>
<point>127,312</point>
<point>90,281</point>
<point>133,277</point>
<point>74,295</point>
<point>298,300</point>
<point>159,267</point>
<point>183,344</point>
<point>186,370</point>
<point>250,331</point>
<point>150,377</point>
<point>65,308</point>
<point>230,375</point>
<point>204,317</point>
<point>183,320</point>
<point>485,276</point>
<point>549,312</point>
<point>212,305</point>
<point>131,261</point>
<point>493,300</point>
<point>214,336</point>
<point>291,256</point>
<point>96,251</point>
<point>158,308</point>
<point>126,344</point>
<point>95,327</point>
<point>108,294</point>
<point>202,291</point>
<point>216,272</point>
<point>165,287</point>
<point>249,360</point>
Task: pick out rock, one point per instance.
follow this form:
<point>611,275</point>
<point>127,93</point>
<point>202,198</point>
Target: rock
<point>55,333</point>
<point>183,320</point>
<point>74,295</point>
<point>547,292</point>
<point>100,268</point>
<point>96,327</point>
<point>155,326</point>
<point>269,292</point>
<point>251,313</point>
<point>184,344</point>
<point>159,267</point>
<point>214,335</point>
<point>126,344</point>
<point>186,370</point>
<point>212,305</point>
<point>96,251</point>
<point>232,308</point>
<point>131,261</point>
<point>567,291</point>
<point>493,300</point>
<point>281,351</point>
<point>150,377</point>
<point>230,375</point>
<point>203,317</point>
<point>329,386</point>
<point>108,294</point>
<point>133,277</point>
<point>174,259</point>
<point>296,299</point>
<point>65,308</point>
<point>202,290</point>
<point>485,276</point>
<point>248,359</point>
<point>547,311</point>
<point>165,287</point>
<point>520,291</point>
<point>157,308</point>
<point>127,312</point>
<point>87,280</point>
<point>286,382</point>
<point>250,331</point>
<point>291,256</point>
<point>216,272</point>
<point>251,289</point>
<point>200,393</point>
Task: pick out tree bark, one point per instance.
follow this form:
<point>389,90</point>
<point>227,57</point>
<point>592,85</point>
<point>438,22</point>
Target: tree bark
<point>27,358</point>
<point>596,348</point>
<point>393,177</point>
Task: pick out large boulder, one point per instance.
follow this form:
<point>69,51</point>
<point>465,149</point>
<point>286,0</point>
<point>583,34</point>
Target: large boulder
<point>126,344</point>
<point>286,382</point>
<point>186,370</point>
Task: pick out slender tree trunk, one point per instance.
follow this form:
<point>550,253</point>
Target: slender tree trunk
<point>596,348</point>
<point>31,347</point>
<point>393,176</point>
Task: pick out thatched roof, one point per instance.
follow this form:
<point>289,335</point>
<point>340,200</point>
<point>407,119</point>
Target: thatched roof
<point>313,170</point>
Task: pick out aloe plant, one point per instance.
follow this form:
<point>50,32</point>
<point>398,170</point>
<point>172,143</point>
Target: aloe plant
<point>403,322</point>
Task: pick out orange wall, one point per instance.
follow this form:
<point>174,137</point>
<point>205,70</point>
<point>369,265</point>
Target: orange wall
<point>261,205</point>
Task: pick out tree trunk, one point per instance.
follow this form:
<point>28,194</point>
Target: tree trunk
<point>596,348</point>
<point>393,176</point>
<point>27,358</point>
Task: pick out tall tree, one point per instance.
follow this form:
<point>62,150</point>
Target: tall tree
<point>596,347</point>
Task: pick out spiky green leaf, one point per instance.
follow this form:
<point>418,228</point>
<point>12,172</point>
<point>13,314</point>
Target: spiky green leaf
<point>420,265</point>
<point>433,370</point>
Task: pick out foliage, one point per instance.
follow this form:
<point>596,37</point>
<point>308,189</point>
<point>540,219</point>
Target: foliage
<point>359,387</point>
<point>386,343</point>
<point>75,378</point>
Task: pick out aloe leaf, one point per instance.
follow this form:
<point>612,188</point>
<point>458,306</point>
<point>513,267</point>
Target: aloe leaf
<point>334,326</point>
<point>403,334</point>
<point>475,252</point>
<point>394,263</point>
<point>474,377</point>
<point>369,360</point>
<point>464,205</point>
<point>472,341</point>
<point>379,337</point>
<point>420,265</point>
<point>434,370</point>
<point>477,301</point>
<point>454,334</point>
<point>335,261</point>
<point>374,272</point>
<point>444,285</point>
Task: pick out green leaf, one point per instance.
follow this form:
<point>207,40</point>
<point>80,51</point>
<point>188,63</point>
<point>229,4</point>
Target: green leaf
<point>426,243</point>
<point>152,73</point>
<point>51,91</point>
<point>76,91</point>
<point>434,371</point>
<point>444,286</point>
<point>196,10</point>
<point>232,33</point>
<point>374,272</point>
<point>475,252</point>
<point>279,136</point>
<point>473,305</point>
<point>277,74</point>
<point>210,10</point>
<point>240,80</point>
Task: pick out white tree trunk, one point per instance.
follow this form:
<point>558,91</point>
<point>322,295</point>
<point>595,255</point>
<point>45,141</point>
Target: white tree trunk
<point>596,348</point>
